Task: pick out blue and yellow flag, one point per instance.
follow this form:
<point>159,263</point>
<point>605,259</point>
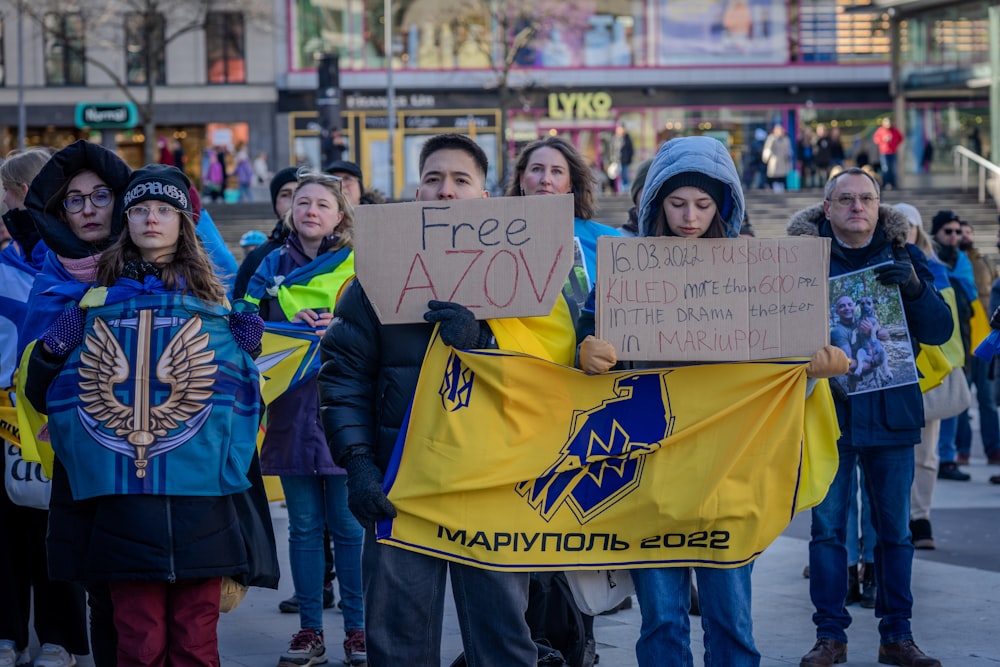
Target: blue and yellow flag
<point>289,356</point>
<point>511,462</point>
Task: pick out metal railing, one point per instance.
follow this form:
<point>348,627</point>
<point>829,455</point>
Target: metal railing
<point>963,156</point>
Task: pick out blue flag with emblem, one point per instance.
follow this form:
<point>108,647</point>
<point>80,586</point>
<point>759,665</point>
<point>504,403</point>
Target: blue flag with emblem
<point>159,399</point>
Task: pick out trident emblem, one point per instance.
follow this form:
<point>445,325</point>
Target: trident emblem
<point>141,430</point>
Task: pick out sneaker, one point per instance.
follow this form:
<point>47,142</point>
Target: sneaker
<point>355,652</point>
<point>53,655</point>
<point>291,605</point>
<point>306,648</point>
<point>8,653</point>
<point>9,657</point>
<point>949,470</point>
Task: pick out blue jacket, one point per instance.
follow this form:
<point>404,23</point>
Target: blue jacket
<point>893,416</point>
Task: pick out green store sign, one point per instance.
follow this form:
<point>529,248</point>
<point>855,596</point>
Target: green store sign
<point>106,115</point>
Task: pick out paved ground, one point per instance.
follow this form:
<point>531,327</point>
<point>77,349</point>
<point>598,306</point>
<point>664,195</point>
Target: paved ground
<point>956,589</point>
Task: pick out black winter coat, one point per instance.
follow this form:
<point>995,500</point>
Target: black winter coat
<point>368,378</point>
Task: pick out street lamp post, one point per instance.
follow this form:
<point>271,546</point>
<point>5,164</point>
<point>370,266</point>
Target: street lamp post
<point>22,116</point>
<point>390,93</point>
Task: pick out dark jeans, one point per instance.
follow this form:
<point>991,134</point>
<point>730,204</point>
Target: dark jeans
<point>989,420</point>
<point>59,608</point>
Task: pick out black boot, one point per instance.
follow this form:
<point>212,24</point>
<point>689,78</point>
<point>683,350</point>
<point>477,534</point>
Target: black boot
<point>868,586</point>
<point>853,586</point>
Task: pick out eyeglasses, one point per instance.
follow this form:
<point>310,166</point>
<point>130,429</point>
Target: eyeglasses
<point>140,214</point>
<point>951,230</point>
<point>99,198</point>
<point>847,201</point>
<point>308,175</point>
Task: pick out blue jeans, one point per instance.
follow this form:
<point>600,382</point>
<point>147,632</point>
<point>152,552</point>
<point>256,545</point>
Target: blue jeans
<point>404,608</point>
<point>989,420</point>
<point>860,545</point>
<point>888,476</point>
<point>664,596</point>
<point>946,440</point>
<point>888,163</point>
<point>313,500</point>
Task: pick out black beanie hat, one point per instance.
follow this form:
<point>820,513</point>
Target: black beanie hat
<point>158,182</point>
<point>942,218</point>
<point>282,176</point>
<point>714,188</point>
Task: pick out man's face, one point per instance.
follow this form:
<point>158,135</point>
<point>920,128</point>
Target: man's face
<point>852,209</point>
<point>351,187</point>
<point>451,173</point>
<point>967,240</point>
<point>949,234</point>
<point>845,309</point>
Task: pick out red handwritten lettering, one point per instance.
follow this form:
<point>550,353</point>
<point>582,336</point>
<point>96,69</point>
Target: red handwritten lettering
<point>513,283</point>
<point>476,255</point>
<point>417,259</point>
<point>548,277</point>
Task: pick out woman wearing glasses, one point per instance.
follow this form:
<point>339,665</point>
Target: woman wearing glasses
<point>153,402</point>
<point>300,282</point>
<point>72,204</point>
<point>59,607</point>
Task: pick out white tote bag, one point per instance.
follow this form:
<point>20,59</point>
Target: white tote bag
<point>596,591</point>
<point>26,484</point>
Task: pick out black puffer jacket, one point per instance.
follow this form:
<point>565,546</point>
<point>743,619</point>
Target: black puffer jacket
<point>136,537</point>
<point>368,378</point>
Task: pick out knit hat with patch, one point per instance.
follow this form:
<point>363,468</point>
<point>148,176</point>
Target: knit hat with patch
<point>158,182</point>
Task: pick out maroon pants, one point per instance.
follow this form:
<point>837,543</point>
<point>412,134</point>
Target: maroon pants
<point>162,624</point>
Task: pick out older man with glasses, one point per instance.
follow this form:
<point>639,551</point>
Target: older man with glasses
<point>878,428</point>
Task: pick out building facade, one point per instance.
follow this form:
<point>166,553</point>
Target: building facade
<point>510,71</point>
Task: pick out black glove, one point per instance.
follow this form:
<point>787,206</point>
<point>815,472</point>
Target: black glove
<point>459,327</point>
<point>365,497</point>
<point>995,320</point>
<point>66,333</point>
<point>900,272</point>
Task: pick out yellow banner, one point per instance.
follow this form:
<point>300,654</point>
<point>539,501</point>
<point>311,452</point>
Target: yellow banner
<point>511,462</point>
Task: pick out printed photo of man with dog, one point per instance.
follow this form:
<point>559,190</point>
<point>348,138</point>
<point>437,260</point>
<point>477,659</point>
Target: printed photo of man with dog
<point>868,324</point>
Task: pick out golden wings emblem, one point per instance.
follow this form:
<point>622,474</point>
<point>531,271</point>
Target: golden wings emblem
<point>142,430</point>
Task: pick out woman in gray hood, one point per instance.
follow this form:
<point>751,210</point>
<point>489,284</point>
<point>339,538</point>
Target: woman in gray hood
<point>692,191</point>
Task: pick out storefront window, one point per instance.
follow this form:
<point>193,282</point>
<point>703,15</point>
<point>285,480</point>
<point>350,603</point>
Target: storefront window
<point>325,26</point>
<point>64,49</point>
<point>954,36</point>
<point>707,32</point>
<point>828,32</point>
<point>144,39</point>
<point>226,49</point>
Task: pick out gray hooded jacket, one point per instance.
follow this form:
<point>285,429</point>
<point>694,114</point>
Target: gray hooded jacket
<point>701,154</point>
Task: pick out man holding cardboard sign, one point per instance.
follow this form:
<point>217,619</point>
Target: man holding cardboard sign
<point>369,376</point>
<point>879,428</point>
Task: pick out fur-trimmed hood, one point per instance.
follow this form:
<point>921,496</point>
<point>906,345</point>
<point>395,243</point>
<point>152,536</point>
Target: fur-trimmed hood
<point>812,221</point>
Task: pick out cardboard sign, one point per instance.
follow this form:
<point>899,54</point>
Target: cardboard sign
<point>499,257</point>
<point>674,299</point>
